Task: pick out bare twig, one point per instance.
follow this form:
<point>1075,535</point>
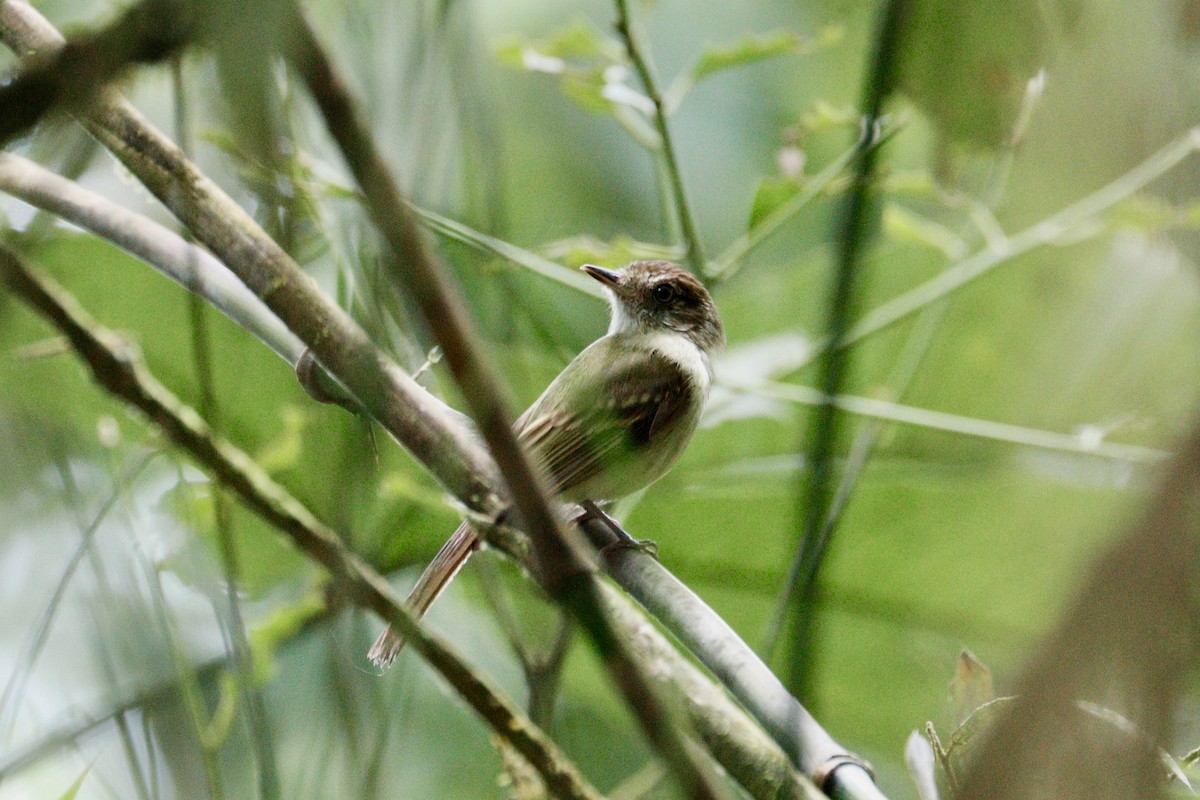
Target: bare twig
<point>120,372</point>
<point>563,569</point>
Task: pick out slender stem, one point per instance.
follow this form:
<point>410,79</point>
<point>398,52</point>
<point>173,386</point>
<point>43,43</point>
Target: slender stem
<point>800,587</point>
<point>731,258</point>
<point>693,248</point>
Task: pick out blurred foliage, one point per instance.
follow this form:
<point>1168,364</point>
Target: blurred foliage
<point>950,541</point>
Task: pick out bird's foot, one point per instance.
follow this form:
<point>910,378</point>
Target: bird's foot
<point>623,541</point>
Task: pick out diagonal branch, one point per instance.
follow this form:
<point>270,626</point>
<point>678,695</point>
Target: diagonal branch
<point>120,371</point>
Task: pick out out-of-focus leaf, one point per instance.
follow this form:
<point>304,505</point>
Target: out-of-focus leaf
<point>907,227</point>
<point>748,364</point>
<point>615,252</point>
<point>825,116</point>
<point>971,686</point>
<point>284,451</point>
<point>404,486</point>
<point>757,48</point>
<point>770,195</point>
<point>577,41</point>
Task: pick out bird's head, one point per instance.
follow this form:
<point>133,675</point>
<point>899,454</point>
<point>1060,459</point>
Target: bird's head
<point>653,296</point>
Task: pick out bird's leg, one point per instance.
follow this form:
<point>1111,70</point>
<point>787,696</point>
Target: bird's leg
<point>623,539</point>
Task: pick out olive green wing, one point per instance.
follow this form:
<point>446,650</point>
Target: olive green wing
<point>606,405</point>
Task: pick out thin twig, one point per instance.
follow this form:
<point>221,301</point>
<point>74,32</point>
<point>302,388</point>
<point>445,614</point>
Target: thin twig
<point>694,251</point>
<point>561,563</point>
<point>120,372</point>
<point>729,262</point>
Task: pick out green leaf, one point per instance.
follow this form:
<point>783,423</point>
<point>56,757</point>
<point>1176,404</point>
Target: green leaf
<point>770,195</point>
<point>758,48</point>
<point>280,626</point>
<point>578,41</point>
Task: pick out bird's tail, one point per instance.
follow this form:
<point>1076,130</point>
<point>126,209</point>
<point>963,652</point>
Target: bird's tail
<point>430,585</point>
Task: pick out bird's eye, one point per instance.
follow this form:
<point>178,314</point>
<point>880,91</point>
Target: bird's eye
<point>664,293</point>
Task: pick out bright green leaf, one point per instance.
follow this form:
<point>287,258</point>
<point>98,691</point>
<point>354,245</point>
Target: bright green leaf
<point>771,194</point>
<point>758,48</point>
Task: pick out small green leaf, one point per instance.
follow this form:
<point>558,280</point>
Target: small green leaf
<point>280,626</point>
<point>578,41</point>
<point>771,194</point>
<point>825,116</point>
<point>758,48</point>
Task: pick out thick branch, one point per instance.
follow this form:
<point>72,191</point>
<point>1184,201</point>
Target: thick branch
<point>120,371</point>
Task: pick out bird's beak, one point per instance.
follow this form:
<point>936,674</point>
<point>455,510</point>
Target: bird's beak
<point>608,277</point>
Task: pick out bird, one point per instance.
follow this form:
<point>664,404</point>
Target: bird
<point>617,417</point>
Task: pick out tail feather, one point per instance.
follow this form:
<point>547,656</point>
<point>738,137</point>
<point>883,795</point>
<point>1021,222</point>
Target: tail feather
<point>433,581</point>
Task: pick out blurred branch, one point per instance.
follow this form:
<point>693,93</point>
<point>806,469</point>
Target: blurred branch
<point>562,568</point>
<point>1054,229</point>
<point>1129,641</point>
<point>682,209</point>
<point>1087,442</point>
<point>800,588</point>
<point>68,78</point>
<point>190,266</point>
<point>120,372</point>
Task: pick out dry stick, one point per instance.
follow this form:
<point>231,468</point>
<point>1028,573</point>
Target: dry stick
<point>413,416</point>
<point>562,565</point>
<point>119,370</point>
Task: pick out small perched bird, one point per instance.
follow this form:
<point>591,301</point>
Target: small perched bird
<point>618,416</point>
